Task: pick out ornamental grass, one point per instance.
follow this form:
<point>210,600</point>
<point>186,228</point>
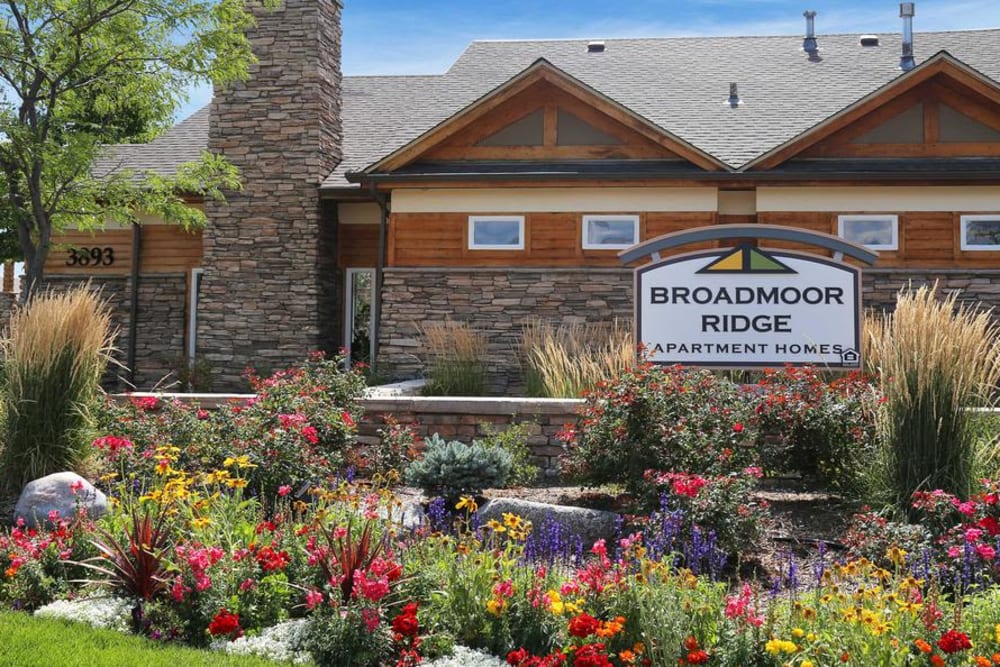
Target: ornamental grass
<point>565,360</point>
<point>456,359</point>
<point>54,356</point>
<point>936,359</point>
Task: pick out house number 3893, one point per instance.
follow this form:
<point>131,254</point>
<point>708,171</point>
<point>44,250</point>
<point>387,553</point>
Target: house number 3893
<point>90,256</point>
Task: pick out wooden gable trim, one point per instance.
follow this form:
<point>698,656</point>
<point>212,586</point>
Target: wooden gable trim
<point>942,63</point>
<point>543,71</point>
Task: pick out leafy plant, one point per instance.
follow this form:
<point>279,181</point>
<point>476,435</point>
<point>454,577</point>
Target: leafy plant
<point>935,360</point>
<point>453,469</point>
<point>54,357</point>
<point>456,359</point>
<point>343,640</point>
<point>136,565</point>
<point>512,440</point>
<point>346,555</point>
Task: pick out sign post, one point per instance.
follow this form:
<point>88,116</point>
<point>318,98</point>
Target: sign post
<point>748,307</point>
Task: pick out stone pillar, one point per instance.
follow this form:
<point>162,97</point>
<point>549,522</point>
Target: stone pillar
<point>267,291</point>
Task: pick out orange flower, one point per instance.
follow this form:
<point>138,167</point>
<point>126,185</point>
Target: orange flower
<point>937,661</point>
<point>627,656</point>
<point>611,628</point>
<point>983,661</point>
<point>845,656</point>
<point>923,646</point>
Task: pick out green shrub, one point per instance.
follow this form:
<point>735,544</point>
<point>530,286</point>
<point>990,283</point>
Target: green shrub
<point>342,640</point>
<point>935,359</point>
<point>513,440</point>
<point>54,358</point>
<point>664,418</point>
<point>453,469</point>
<point>456,359</point>
<point>817,427</point>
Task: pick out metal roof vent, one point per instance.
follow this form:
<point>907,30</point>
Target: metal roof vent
<point>809,44</point>
<point>595,47</point>
<point>868,40</point>
<point>906,12</point>
<point>734,96</point>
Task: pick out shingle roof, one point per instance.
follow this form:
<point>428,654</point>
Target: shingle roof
<point>680,84</point>
<point>184,142</point>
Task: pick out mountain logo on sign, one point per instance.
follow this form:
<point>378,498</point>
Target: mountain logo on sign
<point>746,259</point>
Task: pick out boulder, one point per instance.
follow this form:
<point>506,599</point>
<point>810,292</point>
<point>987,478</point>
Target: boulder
<point>579,522</point>
<point>62,492</point>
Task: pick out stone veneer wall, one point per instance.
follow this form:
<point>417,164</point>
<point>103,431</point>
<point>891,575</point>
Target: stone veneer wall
<point>266,295</point>
<point>880,286</point>
<point>499,301</point>
<point>494,301</point>
<point>161,329</point>
<point>8,301</point>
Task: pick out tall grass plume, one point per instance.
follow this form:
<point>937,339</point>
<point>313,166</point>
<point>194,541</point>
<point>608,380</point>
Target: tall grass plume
<point>455,360</point>
<point>562,361</point>
<point>54,356</point>
<point>935,359</point>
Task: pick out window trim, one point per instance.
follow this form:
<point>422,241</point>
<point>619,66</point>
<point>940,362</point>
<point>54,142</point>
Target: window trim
<point>964,245</point>
<point>629,217</point>
<point>852,217</point>
<point>473,219</point>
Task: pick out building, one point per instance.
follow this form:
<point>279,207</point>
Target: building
<point>504,188</point>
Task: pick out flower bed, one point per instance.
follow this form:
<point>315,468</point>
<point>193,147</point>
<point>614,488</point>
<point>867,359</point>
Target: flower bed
<point>243,530</point>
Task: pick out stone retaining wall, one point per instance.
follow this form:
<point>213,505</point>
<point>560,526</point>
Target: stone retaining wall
<point>462,419</point>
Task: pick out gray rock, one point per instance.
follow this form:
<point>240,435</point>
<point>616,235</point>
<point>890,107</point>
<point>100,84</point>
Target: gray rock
<point>55,492</point>
<point>413,516</point>
<point>587,524</point>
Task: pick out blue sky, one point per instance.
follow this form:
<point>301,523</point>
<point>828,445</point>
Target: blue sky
<point>426,36</point>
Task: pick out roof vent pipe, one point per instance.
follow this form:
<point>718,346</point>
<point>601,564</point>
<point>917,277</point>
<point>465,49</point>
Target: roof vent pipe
<point>809,44</point>
<point>906,12</point>
<point>734,96</point>
<point>595,47</point>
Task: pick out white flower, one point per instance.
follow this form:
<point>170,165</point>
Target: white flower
<point>281,642</point>
<point>466,657</point>
<point>101,612</point>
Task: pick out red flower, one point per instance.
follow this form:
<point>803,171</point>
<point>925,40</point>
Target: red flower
<point>990,525</point>
<point>698,657</point>
<point>583,625</point>
<point>347,419</point>
<point>954,641</point>
<point>520,657</point>
<point>406,623</point>
<point>737,427</point>
<point>225,623</point>
<point>591,655</point>
<point>271,560</point>
<point>310,434</point>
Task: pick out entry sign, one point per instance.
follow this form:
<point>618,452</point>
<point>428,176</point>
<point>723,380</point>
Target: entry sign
<point>750,307</point>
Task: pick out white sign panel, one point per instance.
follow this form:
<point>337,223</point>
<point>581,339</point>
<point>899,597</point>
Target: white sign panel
<point>746,307</point>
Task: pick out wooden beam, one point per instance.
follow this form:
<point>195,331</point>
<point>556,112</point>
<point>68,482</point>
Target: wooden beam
<point>551,131</point>
<point>932,123</point>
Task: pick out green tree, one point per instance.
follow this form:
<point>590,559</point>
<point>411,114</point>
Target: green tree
<point>78,75</point>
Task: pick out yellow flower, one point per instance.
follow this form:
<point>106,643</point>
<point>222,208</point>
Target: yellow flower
<point>495,606</point>
<point>496,526</point>
<point>776,646</point>
<point>242,461</point>
<point>807,663</point>
<point>996,630</point>
<point>556,605</point>
<point>798,633</point>
<point>467,503</point>
<point>200,522</point>
<point>236,483</point>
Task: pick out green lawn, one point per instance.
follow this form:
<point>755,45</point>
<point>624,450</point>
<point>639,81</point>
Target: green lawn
<point>26,641</point>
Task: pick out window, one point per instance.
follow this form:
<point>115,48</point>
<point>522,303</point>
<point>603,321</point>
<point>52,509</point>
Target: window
<point>496,232</point>
<point>609,232</point>
<point>878,232</point>
<point>981,232</point>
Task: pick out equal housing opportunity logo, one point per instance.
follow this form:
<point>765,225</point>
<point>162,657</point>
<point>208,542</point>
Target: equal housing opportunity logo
<point>748,307</point>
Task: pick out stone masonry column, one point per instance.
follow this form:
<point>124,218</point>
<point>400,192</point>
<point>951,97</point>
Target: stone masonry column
<point>267,290</point>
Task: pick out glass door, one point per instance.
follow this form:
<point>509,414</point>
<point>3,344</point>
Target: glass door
<point>359,315</point>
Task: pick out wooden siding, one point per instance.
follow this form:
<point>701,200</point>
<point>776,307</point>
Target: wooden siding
<point>551,239</point>
<point>357,246</point>
<point>927,239</point>
<point>165,249</point>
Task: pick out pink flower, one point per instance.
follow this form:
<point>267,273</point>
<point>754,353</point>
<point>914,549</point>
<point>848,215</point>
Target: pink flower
<point>973,534</point>
<point>313,598</point>
<point>986,552</point>
<point>370,618</point>
<point>504,589</point>
<point>284,490</point>
<point>76,486</point>
<point>968,508</point>
<point>202,414</point>
<point>347,419</point>
<point>310,434</point>
<point>954,552</point>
